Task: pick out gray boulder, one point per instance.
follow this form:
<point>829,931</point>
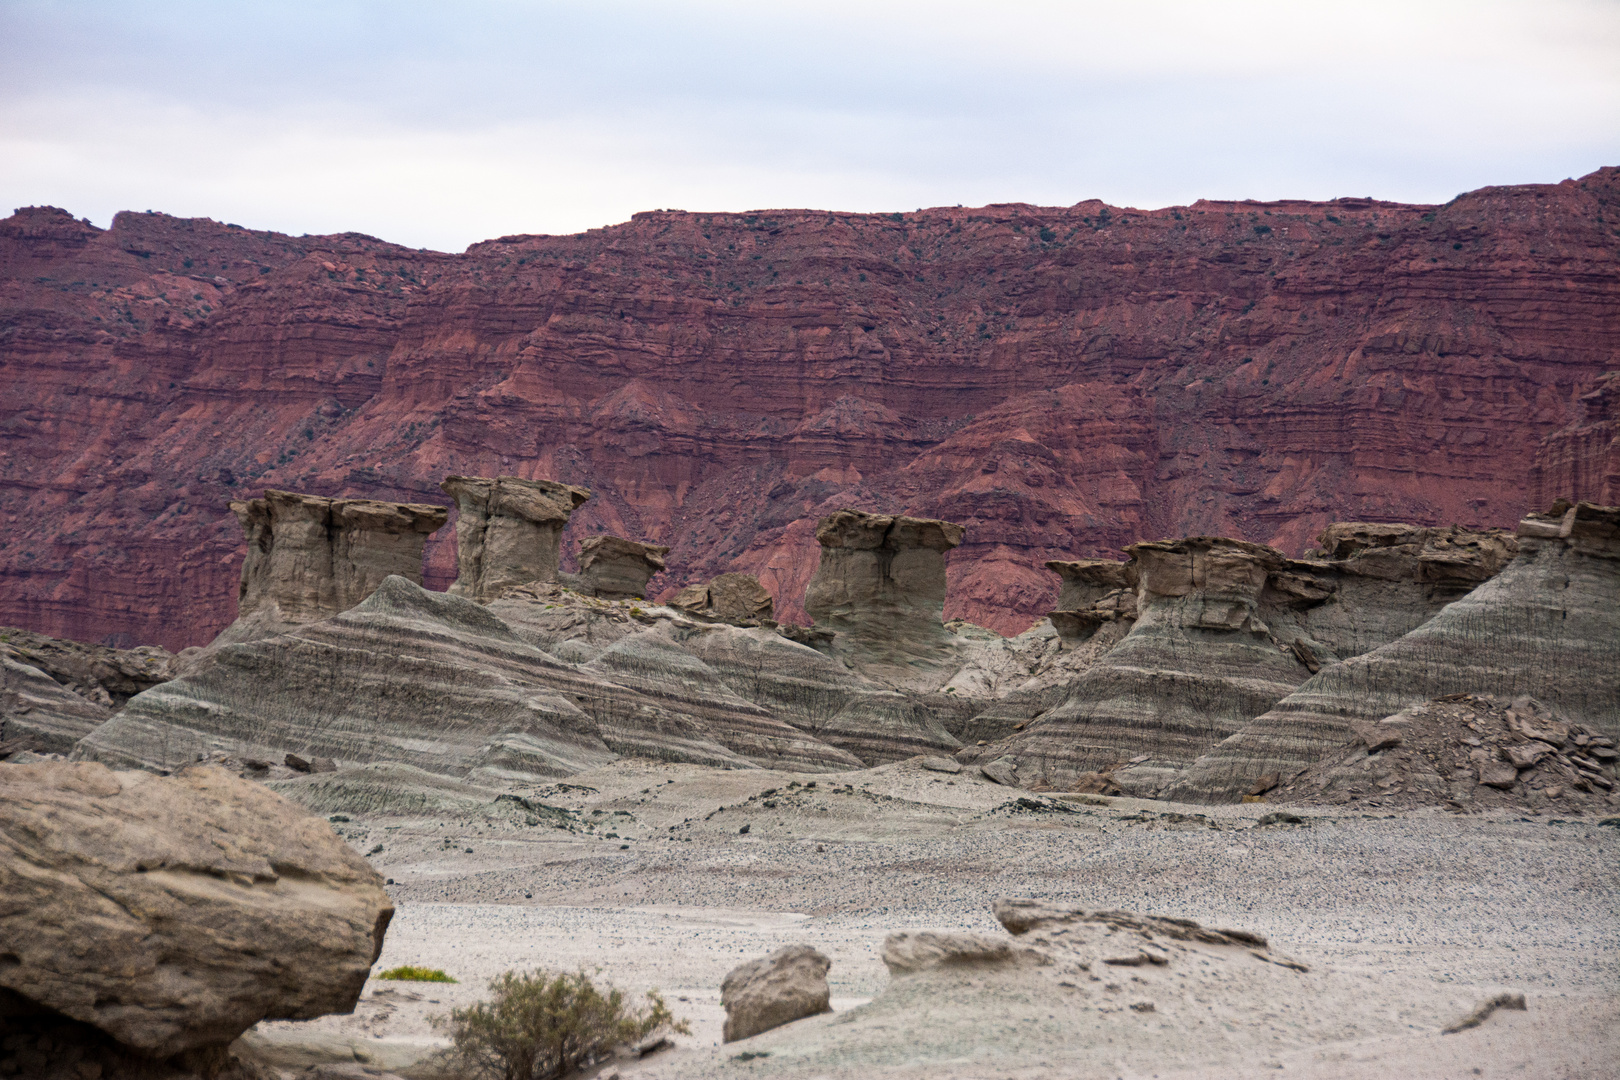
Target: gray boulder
<point>785,986</point>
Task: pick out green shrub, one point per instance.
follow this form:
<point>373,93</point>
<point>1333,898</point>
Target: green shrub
<point>543,1027</point>
<point>415,974</point>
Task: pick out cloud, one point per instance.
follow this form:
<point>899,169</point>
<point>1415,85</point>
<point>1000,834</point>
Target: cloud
<point>438,125</point>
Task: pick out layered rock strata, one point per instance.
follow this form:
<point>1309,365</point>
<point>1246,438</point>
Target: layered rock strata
<point>121,907</point>
<point>1547,626</point>
<point>38,714</point>
<point>880,586</point>
<point>1238,368</point>
<point>616,569</point>
<point>311,557</point>
<point>1198,664</point>
<point>791,682</point>
<point>819,695</point>
<point>732,598</point>
<point>508,530</point>
<point>1581,461</point>
<point>100,673</point>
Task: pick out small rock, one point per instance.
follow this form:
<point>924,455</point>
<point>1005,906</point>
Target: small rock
<point>788,985</point>
<point>1095,783</point>
<point>1143,1006</point>
<point>1280,817</point>
<point>322,765</point>
<point>1527,755</point>
<point>1265,784</point>
<point>296,763</point>
<point>940,764</point>
<point>1003,771</point>
<point>1498,774</point>
<point>743,831</point>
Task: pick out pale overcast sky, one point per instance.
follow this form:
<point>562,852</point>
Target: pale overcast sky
<point>439,124</point>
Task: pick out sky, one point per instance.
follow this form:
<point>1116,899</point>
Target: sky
<point>440,124</point>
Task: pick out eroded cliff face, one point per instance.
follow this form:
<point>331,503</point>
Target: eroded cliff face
<point>1062,381</point>
<point>1581,462</point>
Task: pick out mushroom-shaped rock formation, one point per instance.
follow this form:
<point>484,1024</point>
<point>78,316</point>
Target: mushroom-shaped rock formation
<point>172,913</point>
<point>880,587</point>
<point>312,557</point>
<point>614,568</point>
<point>1198,664</point>
<point>732,598</point>
<point>1547,626</point>
<point>1093,592</point>
<point>507,531</point>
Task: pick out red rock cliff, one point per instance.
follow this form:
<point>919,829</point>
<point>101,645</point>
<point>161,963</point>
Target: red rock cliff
<point>1060,380</point>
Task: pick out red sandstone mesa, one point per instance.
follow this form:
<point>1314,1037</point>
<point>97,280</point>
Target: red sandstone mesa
<point>1061,381</point>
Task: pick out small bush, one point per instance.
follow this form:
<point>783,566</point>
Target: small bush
<point>416,974</point>
<point>543,1027</point>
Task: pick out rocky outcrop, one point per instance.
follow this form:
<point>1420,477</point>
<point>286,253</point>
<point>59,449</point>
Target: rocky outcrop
<point>1547,626</point>
<point>311,557</point>
<point>172,913</point>
<point>617,569</point>
<point>788,985</point>
<point>100,673</point>
<point>1581,462</point>
<point>1069,980</point>
<point>1465,750</point>
<point>880,587</point>
<point>732,598</point>
<point>1197,665</point>
<point>508,530</point>
<point>38,714</point>
<point>1094,592</point>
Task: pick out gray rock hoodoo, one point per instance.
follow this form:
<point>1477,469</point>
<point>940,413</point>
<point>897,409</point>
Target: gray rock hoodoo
<point>312,557</point>
<point>508,531</point>
<point>880,587</point>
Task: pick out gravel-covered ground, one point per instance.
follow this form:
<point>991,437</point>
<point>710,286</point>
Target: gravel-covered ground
<point>650,879</point>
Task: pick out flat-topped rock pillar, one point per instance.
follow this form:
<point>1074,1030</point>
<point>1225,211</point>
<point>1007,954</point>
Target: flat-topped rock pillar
<point>880,587</point>
<point>508,531</point>
<point>1093,592</point>
<point>313,557</point>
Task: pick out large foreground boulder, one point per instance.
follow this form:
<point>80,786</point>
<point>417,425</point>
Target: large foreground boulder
<point>173,913</point>
<point>785,986</point>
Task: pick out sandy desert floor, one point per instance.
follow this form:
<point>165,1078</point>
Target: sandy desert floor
<point>664,890</point>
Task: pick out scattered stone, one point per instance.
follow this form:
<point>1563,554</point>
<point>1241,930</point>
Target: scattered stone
<point>297,764</point>
<point>1497,775</point>
<point>940,764</point>
<point>1484,1011</point>
<point>788,985</point>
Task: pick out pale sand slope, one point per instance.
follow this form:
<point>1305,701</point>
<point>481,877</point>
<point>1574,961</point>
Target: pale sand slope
<point>1426,911</point>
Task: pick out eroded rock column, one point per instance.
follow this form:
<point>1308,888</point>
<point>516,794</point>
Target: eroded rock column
<point>508,530</point>
<point>312,556</point>
<point>1093,592</point>
<point>881,587</point>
